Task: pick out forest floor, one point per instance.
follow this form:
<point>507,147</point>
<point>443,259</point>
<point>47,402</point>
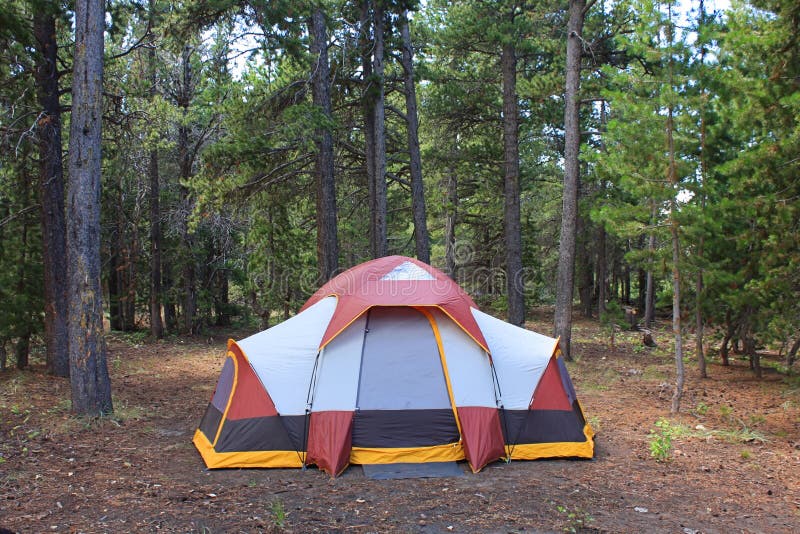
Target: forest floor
<point>733,465</point>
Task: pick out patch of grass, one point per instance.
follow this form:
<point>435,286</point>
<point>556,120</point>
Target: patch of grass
<point>600,380</point>
<point>134,339</point>
<point>654,372</point>
<point>745,454</point>
<point>125,412</point>
<point>701,408</point>
<point>742,435</point>
<point>594,422</point>
<point>757,419</point>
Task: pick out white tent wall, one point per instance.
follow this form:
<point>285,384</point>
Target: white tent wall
<point>520,358</point>
<point>337,375</point>
<point>283,356</point>
<point>467,364</point>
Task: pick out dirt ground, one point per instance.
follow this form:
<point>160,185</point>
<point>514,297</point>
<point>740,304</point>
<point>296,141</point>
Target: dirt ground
<point>733,464</point>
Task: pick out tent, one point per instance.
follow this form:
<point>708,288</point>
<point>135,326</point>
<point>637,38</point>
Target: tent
<point>391,362</point>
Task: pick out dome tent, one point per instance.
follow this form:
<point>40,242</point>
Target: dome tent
<point>391,362</point>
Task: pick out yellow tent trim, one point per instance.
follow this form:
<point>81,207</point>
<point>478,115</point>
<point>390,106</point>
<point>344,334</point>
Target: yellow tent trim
<point>536,451</point>
<point>443,360</point>
<point>216,460</point>
<point>437,453</point>
<point>232,356</point>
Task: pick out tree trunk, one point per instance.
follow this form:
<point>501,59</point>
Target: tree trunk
<point>368,106</point>
<point>185,161</point>
<point>729,332</point>
<point>156,324</point>
<point>698,317</point>
<point>650,297</point>
<point>672,177</point>
<point>327,240</point>
<point>380,245</point>
<point>120,262</point>
<point>189,270</point>
<point>114,313</point>
<point>752,353</point>
<point>584,268</point>
<point>626,284</point>
<point>91,386</point>
<point>23,329</point>
<point>51,183</point>
<point>170,312</point>
<point>451,215</point>
<point>602,276</point>
<point>698,297</point>
<point>641,297</point>
<point>569,211</point>
<point>22,350</point>
<point>131,278</point>
<point>513,231</point>
<point>792,354</point>
<point>421,237</point>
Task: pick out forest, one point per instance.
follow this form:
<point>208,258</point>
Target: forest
<point>620,174</point>
<point>613,157</point>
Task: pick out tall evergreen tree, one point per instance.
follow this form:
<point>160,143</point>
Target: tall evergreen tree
<point>91,386</point>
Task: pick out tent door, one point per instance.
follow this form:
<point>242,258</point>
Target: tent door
<point>403,399</point>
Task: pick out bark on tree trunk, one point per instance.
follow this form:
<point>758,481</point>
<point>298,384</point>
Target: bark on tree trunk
<point>380,245</point>
<point>451,215</point>
<point>156,324</point>
<point>91,386</point>
<point>601,271</point>
<point>641,282</point>
<point>569,212</point>
<point>650,297</point>
<point>792,354</point>
<point>421,237</point>
<point>51,183</point>
<point>626,284</point>
<point>170,314</point>
<point>698,313</point>
<point>115,316</point>
<point>752,353</point>
<point>368,107</point>
<point>327,240</point>
<point>22,348</point>
<point>730,330</point>
<point>513,231</point>
<point>676,277</point>
<point>189,270</point>
<point>584,268</point>
<point>131,278</point>
<point>185,159</point>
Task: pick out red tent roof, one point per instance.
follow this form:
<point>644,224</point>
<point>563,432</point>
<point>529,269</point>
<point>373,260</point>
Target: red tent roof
<point>395,281</point>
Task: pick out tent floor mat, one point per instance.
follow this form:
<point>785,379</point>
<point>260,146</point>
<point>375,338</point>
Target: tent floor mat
<point>409,470</point>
